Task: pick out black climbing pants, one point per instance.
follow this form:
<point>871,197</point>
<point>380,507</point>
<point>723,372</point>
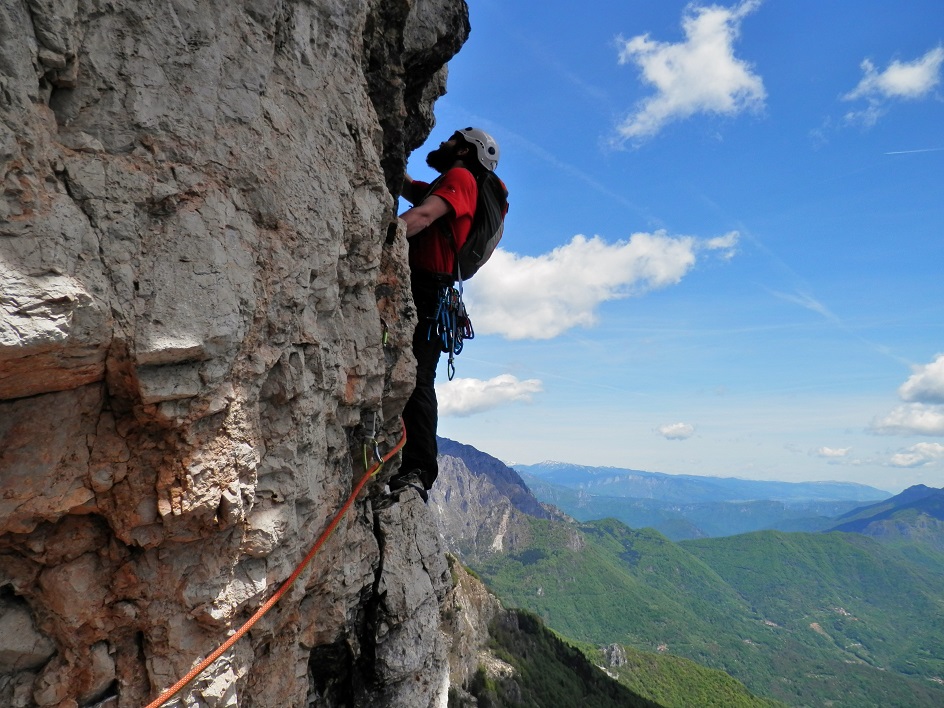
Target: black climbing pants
<point>421,414</point>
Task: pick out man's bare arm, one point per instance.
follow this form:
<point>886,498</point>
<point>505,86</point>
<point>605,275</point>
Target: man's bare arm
<point>419,217</point>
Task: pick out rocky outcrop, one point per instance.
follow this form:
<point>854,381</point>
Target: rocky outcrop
<point>482,506</point>
<point>469,611</point>
<point>204,337</point>
<point>505,481</point>
<point>474,517</point>
<point>615,655</point>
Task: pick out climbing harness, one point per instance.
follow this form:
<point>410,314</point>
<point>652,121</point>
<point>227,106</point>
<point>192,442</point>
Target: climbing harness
<point>451,325</point>
<point>270,603</point>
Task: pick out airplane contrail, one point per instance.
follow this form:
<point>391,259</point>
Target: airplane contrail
<point>910,152</point>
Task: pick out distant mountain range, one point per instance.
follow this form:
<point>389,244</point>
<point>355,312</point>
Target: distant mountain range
<point>687,489</point>
<point>917,514</point>
<point>809,619</point>
<point>690,506</point>
<point>917,500</point>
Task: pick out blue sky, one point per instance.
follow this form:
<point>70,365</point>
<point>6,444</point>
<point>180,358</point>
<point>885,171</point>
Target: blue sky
<point>725,247</point>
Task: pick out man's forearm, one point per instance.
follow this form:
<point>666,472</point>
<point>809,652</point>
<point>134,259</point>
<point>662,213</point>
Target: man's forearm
<point>414,222</point>
<point>419,217</point>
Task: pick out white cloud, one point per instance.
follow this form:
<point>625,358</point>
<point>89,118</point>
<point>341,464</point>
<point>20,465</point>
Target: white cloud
<point>677,431</point>
<point>540,297</point>
<point>699,75</point>
<point>911,419</point>
<point>923,412</point>
<point>926,385</point>
<point>463,397</point>
<point>724,243</point>
<point>918,455</point>
<point>833,453</point>
<point>900,80</point>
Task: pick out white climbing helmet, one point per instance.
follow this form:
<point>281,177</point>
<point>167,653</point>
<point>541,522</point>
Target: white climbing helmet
<point>485,146</point>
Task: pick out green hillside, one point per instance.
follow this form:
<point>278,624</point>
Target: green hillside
<point>833,619</point>
<point>551,672</point>
<point>868,600</point>
<point>547,672</point>
<point>915,517</point>
<point>675,682</point>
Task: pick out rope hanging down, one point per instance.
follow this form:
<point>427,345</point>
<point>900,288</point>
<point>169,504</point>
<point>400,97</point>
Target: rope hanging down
<point>270,603</point>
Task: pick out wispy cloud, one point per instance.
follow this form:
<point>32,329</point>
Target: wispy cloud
<point>913,152</point>
<point>898,81</point>
<point>464,397</point>
<point>699,75</point>
<point>541,297</point>
<point>676,431</point>
<point>724,243</point>
<point>806,301</point>
<point>833,453</point>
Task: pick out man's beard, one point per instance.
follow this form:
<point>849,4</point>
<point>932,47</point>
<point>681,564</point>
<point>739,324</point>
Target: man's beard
<point>442,158</point>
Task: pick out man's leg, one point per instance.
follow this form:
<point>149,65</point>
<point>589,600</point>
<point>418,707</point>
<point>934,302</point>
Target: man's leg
<point>421,414</point>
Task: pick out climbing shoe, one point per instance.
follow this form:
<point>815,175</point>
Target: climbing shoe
<point>397,485</point>
<point>410,479</point>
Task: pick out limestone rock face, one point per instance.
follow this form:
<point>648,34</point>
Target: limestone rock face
<point>615,655</point>
<point>475,518</point>
<point>204,336</point>
<point>468,612</point>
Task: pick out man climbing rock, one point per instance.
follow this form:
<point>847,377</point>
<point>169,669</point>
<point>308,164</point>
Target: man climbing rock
<point>437,226</point>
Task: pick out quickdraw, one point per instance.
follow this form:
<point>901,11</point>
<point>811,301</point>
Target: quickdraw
<point>451,325</point>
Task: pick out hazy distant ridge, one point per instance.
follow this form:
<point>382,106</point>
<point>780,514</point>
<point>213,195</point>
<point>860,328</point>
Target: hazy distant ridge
<point>615,481</point>
<point>920,497</point>
<point>917,514</point>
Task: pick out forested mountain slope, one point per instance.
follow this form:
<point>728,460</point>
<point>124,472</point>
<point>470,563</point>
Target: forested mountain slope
<point>803,618</point>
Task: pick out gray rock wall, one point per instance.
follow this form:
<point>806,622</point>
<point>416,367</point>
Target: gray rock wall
<point>475,518</point>
<point>204,321</point>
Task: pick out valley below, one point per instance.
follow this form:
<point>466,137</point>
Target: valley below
<point>801,618</point>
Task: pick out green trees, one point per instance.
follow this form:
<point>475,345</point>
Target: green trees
<point>802,618</point>
<point>548,672</point>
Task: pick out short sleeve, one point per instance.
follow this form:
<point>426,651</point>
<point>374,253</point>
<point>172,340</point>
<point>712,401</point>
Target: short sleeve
<point>460,191</point>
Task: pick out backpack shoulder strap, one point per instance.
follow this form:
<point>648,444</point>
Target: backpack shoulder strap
<point>429,190</point>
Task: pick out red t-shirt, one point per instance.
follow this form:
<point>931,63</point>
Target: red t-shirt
<point>429,249</point>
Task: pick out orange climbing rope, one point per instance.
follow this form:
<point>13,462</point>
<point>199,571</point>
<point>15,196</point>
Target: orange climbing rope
<point>199,668</point>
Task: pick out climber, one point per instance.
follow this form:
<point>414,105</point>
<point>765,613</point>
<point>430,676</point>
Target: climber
<point>436,227</point>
